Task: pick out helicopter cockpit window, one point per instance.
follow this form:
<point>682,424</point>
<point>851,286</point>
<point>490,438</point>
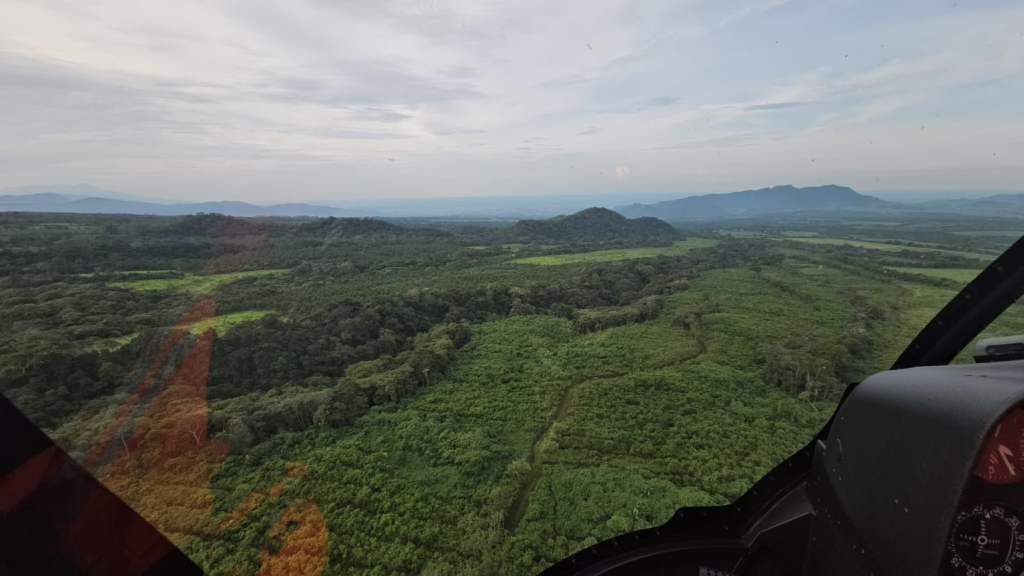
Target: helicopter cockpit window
<point>459,287</point>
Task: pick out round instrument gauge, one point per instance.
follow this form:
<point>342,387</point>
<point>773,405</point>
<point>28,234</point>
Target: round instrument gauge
<point>987,541</point>
<point>1002,458</point>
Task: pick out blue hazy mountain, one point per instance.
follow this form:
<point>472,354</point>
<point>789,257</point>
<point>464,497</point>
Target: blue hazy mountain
<point>774,200</point>
<point>83,198</point>
<point>71,203</point>
<point>76,192</point>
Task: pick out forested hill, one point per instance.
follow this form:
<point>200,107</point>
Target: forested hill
<point>337,228</point>
<point>331,228</point>
<point>594,225</point>
<point>756,202</point>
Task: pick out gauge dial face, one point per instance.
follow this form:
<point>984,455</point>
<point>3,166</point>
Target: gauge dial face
<point>987,541</point>
<point>1002,459</point>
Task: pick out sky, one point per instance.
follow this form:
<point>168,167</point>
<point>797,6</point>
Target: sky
<point>321,100</point>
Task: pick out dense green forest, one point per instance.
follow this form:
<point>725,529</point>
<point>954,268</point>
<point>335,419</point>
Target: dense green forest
<point>370,397</point>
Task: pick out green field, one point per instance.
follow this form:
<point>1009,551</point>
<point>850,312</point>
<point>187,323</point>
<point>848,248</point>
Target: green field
<point>888,247</point>
<point>680,247</point>
<point>128,272</point>
<point>220,325</point>
<point>191,283</point>
<point>739,233</point>
<point>222,322</point>
<point>964,275</point>
<point>1002,233</point>
<point>112,343</point>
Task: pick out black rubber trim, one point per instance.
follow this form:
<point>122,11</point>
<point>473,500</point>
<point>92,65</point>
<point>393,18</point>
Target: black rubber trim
<point>34,540</point>
<point>969,312</point>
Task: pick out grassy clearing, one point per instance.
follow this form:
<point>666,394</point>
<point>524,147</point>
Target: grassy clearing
<point>887,247</point>
<point>111,343</point>
<point>742,233</point>
<point>897,240</point>
<point>677,248</point>
<point>1006,233</point>
<point>964,275</point>
<point>129,272</point>
<point>191,283</point>
<point>221,324</point>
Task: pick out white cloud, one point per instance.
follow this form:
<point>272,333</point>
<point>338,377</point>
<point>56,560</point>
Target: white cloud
<point>749,8</point>
<point>525,97</point>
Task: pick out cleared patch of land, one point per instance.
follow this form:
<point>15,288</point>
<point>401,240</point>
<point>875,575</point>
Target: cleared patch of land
<point>964,275</point>
<point>680,247</point>
<point>1007,233</point>
<point>191,283</point>
<point>888,247</point>
<point>112,343</point>
<point>222,323</point>
<point>130,272</point>
<point>742,233</point>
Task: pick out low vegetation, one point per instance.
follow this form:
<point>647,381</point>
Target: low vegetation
<point>956,274</point>
<point>677,247</point>
<point>194,284</point>
<point>888,247</point>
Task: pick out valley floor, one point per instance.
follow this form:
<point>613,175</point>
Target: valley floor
<point>542,441</point>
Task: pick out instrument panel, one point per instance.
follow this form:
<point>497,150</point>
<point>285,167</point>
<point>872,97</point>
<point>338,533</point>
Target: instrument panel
<point>987,538</point>
<point>1002,459</point>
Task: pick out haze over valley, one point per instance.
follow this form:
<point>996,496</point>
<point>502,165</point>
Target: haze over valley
<point>777,200</point>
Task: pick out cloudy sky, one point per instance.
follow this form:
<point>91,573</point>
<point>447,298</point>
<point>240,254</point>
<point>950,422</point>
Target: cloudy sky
<point>331,99</point>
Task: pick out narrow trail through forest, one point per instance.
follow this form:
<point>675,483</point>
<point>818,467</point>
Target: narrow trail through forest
<point>568,394</point>
<point>522,500</point>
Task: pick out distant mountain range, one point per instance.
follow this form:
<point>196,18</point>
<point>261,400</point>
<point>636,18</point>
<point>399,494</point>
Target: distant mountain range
<point>489,207</point>
<point>80,192</point>
<point>755,203</point>
<point>72,203</point>
<point>777,200</point>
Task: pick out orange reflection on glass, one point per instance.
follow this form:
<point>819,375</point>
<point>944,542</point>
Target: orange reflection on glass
<point>231,519</point>
<point>300,536</point>
<point>165,467</point>
<point>201,310</point>
<point>162,463</point>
